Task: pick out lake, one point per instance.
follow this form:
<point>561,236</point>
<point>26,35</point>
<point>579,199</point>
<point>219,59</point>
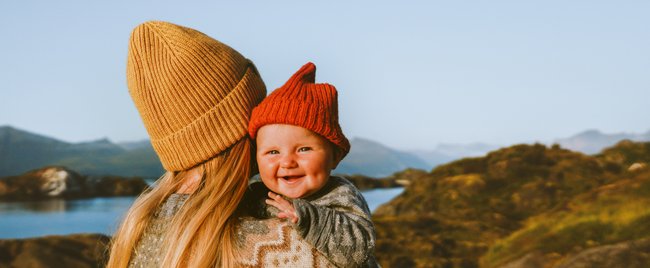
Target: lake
<point>96,215</point>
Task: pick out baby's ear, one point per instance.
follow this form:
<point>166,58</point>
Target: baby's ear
<point>336,157</point>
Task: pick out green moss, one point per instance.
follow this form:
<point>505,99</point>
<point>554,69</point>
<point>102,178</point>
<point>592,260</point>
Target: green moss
<point>614,216</point>
<point>518,200</point>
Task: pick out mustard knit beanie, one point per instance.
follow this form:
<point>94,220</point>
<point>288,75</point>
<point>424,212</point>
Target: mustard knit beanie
<point>194,93</point>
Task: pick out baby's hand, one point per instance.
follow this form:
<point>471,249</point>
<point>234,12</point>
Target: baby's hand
<point>286,208</point>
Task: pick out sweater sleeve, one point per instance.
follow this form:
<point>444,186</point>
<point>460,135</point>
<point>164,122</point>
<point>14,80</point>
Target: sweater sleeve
<point>338,224</point>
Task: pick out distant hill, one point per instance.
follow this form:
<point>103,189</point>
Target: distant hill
<point>143,144</point>
<point>371,158</point>
<point>446,152</point>
<point>523,206</point>
<point>21,151</point>
<point>593,141</point>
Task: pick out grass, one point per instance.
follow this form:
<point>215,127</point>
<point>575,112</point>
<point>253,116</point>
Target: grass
<point>616,215</point>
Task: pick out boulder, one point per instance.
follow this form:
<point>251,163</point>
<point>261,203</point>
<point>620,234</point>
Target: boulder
<point>73,251</point>
<point>629,254</point>
<point>60,182</point>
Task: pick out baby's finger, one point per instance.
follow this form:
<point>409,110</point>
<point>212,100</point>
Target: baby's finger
<point>274,195</point>
<point>278,198</point>
<point>287,215</point>
<point>274,203</point>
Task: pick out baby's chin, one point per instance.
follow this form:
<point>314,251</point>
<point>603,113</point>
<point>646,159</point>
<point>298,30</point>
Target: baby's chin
<point>293,194</point>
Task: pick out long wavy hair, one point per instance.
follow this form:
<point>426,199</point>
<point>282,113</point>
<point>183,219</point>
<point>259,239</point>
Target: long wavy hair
<point>202,232</point>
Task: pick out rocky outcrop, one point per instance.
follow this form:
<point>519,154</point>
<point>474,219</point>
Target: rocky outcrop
<point>521,206</point>
<point>73,251</point>
<point>60,182</point>
<point>629,254</point>
<point>633,254</point>
<point>368,183</point>
<point>398,179</point>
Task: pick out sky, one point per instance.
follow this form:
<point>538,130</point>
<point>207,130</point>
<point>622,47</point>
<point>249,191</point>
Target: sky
<point>410,75</point>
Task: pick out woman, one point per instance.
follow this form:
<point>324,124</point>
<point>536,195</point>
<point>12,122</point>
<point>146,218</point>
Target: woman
<point>195,95</point>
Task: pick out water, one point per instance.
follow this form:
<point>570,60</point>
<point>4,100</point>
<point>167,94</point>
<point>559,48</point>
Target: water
<point>39,218</point>
<point>96,215</point>
<point>380,196</point>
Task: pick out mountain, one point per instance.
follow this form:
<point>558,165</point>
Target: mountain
<point>446,152</point>
<point>588,142</point>
<point>373,159</point>
<point>21,151</point>
<point>131,145</point>
<point>523,206</point>
<point>593,141</point>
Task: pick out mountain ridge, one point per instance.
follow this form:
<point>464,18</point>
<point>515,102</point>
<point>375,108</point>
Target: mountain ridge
<point>21,151</point>
<point>592,141</point>
<point>522,206</point>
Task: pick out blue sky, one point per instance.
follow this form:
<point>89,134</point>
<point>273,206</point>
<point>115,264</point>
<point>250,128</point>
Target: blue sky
<point>410,75</point>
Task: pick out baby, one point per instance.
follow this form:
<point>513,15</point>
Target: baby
<point>299,142</point>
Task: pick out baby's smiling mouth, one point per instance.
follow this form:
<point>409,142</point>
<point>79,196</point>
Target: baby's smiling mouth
<point>291,179</point>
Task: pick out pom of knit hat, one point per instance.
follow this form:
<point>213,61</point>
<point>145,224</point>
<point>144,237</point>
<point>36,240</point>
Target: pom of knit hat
<point>304,103</point>
<point>194,93</point>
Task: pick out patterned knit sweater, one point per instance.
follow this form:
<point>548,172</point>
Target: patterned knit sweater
<point>263,243</point>
<point>334,231</point>
<point>335,220</point>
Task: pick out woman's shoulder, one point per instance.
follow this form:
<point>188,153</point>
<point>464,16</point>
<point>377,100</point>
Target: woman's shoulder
<point>274,242</point>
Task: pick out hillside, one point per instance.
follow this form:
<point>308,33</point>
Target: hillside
<point>593,141</point>
<point>371,158</point>
<point>61,183</point>
<point>21,151</point>
<point>524,206</point>
<point>447,152</point>
<point>77,250</point>
<point>518,202</point>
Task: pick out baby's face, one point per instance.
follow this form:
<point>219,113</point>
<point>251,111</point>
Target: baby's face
<point>293,161</point>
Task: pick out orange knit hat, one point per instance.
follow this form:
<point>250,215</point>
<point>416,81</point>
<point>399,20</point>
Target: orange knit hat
<point>303,103</point>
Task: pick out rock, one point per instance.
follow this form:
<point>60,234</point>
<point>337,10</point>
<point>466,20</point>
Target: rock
<point>367,183</point>
<point>115,186</point>
<point>60,182</point>
<point>636,166</point>
<point>56,180</point>
<point>3,188</point>
<point>466,184</point>
<point>78,250</point>
<point>632,254</point>
<point>42,183</point>
<point>398,179</point>
<point>485,211</point>
<point>533,260</point>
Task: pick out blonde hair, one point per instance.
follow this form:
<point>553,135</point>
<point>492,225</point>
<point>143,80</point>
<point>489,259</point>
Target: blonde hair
<point>202,232</point>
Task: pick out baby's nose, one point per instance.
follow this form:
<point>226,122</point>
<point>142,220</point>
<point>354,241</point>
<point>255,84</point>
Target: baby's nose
<point>288,162</point>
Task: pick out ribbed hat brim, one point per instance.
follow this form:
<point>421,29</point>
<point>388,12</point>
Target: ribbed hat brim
<point>214,131</point>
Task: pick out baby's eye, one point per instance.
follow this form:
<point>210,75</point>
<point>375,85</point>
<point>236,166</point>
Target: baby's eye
<point>304,149</point>
<point>273,152</point>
